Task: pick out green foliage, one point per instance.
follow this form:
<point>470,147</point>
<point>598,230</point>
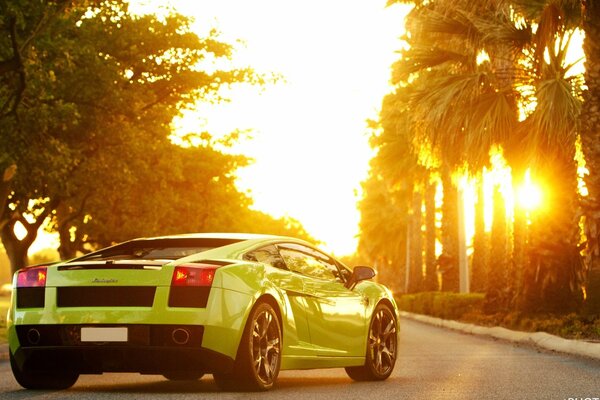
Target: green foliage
<point>441,304</point>
<point>452,106</point>
<point>88,95</point>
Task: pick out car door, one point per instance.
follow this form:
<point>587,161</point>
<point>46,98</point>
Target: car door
<point>296,323</point>
<point>336,315</point>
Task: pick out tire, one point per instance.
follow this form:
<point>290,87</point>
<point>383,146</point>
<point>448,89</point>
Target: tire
<point>382,347</point>
<point>183,376</point>
<point>43,380</point>
<point>258,359</point>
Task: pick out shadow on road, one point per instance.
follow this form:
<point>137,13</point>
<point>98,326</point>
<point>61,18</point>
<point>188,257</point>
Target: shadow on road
<point>205,385</point>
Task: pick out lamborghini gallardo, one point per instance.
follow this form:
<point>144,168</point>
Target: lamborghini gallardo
<point>240,307</point>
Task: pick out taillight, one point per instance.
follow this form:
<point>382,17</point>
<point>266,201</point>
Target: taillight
<point>193,275</point>
<point>190,285</point>
<point>31,287</point>
<point>32,277</point>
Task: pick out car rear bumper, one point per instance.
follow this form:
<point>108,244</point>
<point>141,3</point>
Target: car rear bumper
<point>149,349</point>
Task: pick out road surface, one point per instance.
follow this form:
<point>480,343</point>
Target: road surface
<point>434,363</point>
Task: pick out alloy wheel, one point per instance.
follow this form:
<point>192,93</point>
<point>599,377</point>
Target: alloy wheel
<point>266,346</point>
<point>383,342</point>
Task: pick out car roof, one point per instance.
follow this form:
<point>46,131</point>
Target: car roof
<point>218,235</point>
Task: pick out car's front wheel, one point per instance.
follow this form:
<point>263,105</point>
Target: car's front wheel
<point>43,380</point>
<point>382,345</point>
<point>259,356</point>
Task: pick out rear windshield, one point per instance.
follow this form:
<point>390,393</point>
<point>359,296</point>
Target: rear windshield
<point>156,249</point>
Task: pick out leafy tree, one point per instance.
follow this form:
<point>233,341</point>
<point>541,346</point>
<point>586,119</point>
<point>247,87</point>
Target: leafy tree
<point>87,97</point>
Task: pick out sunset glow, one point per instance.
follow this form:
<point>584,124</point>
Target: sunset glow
<point>308,131</point>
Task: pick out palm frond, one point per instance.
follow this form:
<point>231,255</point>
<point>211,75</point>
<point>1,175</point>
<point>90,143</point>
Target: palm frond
<point>498,27</point>
<point>445,23</point>
<point>421,57</point>
<point>493,120</point>
<point>553,125</point>
<point>440,108</point>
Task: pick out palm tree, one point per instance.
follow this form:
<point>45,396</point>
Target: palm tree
<point>590,138</point>
<point>477,105</point>
<point>458,103</point>
<point>388,193</point>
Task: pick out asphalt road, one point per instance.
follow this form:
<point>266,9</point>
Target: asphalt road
<point>434,364</point>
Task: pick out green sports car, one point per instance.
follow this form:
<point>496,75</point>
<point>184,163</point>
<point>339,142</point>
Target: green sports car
<point>241,307</point>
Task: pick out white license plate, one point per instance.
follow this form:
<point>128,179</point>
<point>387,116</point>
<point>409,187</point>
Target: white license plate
<point>92,334</point>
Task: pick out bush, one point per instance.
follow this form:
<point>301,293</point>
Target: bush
<point>469,308</point>
<point>441,304</point>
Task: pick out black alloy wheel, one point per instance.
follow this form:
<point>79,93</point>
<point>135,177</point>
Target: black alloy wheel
<point>259,356</point>
<point>382,347</point>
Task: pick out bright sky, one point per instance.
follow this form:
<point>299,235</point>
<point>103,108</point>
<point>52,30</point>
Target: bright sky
<point>309,135</point>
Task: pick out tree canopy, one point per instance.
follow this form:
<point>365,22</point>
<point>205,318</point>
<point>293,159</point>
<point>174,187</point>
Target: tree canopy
<point>88,93</point>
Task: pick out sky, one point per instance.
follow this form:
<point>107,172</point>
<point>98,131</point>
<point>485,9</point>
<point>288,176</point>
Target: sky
<point>308,133</point>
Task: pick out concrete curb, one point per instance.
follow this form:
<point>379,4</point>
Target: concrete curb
<point>540,339</point>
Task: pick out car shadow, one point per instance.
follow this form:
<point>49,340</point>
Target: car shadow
<point>205,385</point>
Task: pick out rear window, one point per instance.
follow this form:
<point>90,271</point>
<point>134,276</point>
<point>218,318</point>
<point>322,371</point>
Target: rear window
<point>157,249</point>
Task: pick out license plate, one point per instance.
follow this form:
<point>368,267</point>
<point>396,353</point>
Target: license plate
<point>92,334</point>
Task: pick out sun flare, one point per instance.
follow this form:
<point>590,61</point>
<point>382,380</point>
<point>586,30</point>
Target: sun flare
<point>529,195</point>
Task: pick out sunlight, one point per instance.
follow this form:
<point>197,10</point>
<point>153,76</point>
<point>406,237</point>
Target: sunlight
<point>20,231</point>
<point>309,135</point>
<point>499,175</point>
<point>529,195</point>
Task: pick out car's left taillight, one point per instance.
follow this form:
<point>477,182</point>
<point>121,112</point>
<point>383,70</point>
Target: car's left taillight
<point>31,287</point>
<point>190,285</point>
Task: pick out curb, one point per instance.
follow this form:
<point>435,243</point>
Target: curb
<point>540,339</point>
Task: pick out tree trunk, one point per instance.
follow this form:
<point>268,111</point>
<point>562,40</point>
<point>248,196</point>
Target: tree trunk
<point>448,260</point>
<point>556,286</point>
<point>521,266</point>
<point>431,280</point>
<point>590,138</point>
<point>496,293</point>
<point>416,243</point>
<point>481,251</point>
<point>16,249</point>
<point>5,190</point>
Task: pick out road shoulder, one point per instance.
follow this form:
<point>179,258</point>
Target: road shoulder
<point>540,339</point>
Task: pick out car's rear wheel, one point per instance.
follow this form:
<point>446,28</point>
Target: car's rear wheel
<point>259,356</point>
<point>43,380</point>
<point>382,345</point>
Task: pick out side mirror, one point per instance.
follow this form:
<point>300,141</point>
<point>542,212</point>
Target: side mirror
<point>359,274</point>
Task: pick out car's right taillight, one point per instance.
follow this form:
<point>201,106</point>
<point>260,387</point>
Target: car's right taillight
<point>190,285</point>
<point>31,287</point>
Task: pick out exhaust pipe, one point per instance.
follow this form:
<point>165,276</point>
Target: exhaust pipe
<point>180,336</point>
<point>33,336</point>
